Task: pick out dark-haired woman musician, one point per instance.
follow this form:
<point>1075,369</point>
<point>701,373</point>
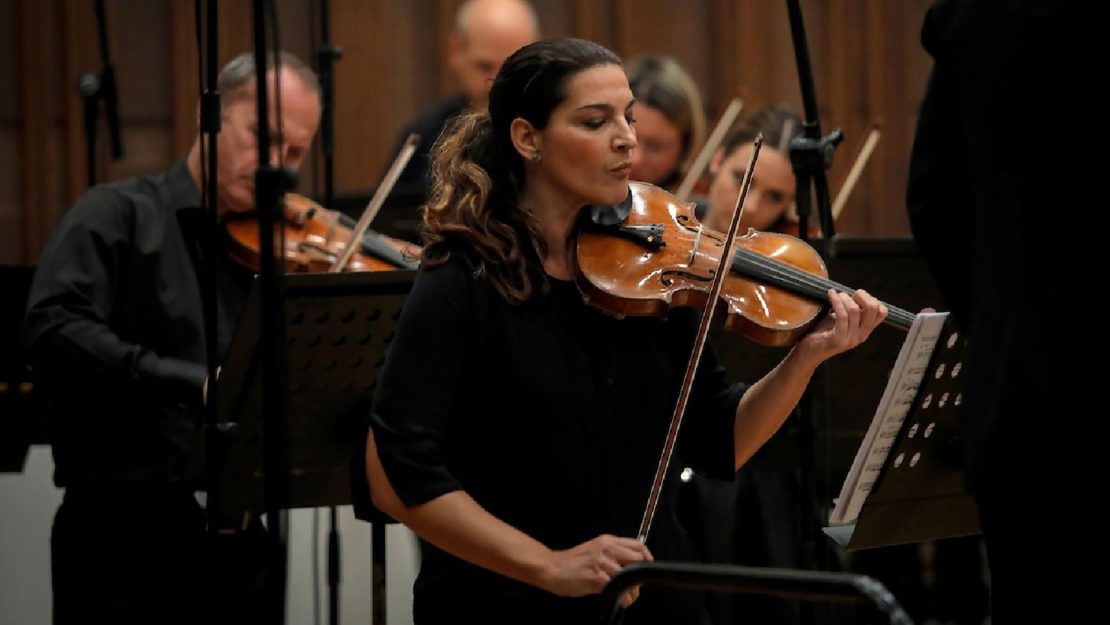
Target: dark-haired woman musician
<point>516,430</point>
<point>772,192</point>
<point>671,124</point>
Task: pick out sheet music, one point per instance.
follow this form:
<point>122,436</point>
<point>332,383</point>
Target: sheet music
<point>901,388</point>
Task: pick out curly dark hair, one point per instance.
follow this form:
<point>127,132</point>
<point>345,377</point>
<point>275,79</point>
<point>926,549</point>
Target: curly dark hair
<point>477,174</point>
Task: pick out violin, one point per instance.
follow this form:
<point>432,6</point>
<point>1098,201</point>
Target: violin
<point>651,253</point>
<point>315,238</point>
<point>318,239</point>
<point>786,225</point>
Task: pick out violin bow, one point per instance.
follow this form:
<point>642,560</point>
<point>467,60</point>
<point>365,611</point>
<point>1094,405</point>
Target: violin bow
<point>856,170</point>
<point>375,205</point>
<point>699,346</point>
<point>714,140</point>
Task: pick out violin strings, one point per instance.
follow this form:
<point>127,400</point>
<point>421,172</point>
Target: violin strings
<point>818,286</point>
<point>791,277</point>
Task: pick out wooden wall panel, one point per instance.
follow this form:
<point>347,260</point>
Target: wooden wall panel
<point>679,38</point>
<point>838,58</point>
<point>897,69</point>
<point>595,21</point>
<point>11,213</point>
<point>184,89</point>
<point>559,18</point>
<point>866,59</point>
<point>765,56</point>
<point>41,156</point>
<point>383,77</point>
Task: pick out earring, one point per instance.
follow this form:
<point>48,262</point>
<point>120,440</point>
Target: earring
<point>535,157</point>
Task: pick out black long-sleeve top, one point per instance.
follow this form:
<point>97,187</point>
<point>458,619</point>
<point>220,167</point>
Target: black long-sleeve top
<point>115,329</point>
<point>429,125</point>
<point>980,187</point>
<point>550,414</point>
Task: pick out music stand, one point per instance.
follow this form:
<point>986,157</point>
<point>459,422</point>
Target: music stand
<point>338,327</point>
<point>919,492</point>
<point>786,583</point>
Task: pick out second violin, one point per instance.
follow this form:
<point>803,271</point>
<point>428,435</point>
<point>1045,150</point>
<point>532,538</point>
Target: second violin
<point>315,238</point>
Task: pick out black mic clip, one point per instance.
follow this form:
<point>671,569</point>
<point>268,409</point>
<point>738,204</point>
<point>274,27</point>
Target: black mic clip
<point>808,154</point>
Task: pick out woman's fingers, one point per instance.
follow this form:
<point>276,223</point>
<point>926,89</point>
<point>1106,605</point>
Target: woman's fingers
<point>626,550</point>
<point>840,314</point>
<point>588,567</point>
<point>629,596</point>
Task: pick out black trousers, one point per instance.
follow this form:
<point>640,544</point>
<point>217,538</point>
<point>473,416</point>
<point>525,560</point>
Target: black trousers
<point>126,555</point>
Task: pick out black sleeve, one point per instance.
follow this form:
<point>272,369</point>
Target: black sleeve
<point>415,177</point>
<point>418,383</point>
<point>71,304</point>
<point>705,441</point>
<point>939,194</point>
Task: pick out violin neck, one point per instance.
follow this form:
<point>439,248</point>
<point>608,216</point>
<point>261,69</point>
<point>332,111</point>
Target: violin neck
<point>790,278</point>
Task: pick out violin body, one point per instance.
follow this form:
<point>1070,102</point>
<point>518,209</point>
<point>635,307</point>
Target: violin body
<point>791,227</point>
<point>314,238</point>
<point>661,256</point>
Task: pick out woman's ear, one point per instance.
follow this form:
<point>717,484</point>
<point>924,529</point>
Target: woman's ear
<point>526,139</point>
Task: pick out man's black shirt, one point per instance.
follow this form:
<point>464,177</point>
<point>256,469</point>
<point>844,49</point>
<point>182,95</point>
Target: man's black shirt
<point>429,124</point>
<point>115,329</point>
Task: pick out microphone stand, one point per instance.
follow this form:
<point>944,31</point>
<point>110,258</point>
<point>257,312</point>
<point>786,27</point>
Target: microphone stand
<point>810,155</point>
<point>95,87</point>
<point>326,55</point>
<point>271,183</point>
<point>216,435</point>
<point>88,85</point>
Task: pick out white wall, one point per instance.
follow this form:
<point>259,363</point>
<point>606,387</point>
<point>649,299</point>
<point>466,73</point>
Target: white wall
<point>27,504</point>
<point>28,501</point>
<point>355,590</point>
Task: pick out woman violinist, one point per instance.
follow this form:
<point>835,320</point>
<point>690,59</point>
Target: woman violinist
<point>772,192</point>
<point>670,120</point>
<point>516,429</point>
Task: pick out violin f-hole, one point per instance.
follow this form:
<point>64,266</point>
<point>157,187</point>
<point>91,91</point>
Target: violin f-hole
<point>667,279</point>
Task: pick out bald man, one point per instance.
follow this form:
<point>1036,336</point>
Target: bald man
<point>486,32</point>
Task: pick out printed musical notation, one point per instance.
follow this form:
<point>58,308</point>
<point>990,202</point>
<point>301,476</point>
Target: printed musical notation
<point>901,390</point>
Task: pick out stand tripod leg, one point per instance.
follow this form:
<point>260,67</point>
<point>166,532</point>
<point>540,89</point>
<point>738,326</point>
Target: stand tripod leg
<point>377,554</point>
<point>333,568</point>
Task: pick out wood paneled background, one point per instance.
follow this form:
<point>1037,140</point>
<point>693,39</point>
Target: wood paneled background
<point>866,57</point>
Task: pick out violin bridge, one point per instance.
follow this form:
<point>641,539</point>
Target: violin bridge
<point>694,247</point>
